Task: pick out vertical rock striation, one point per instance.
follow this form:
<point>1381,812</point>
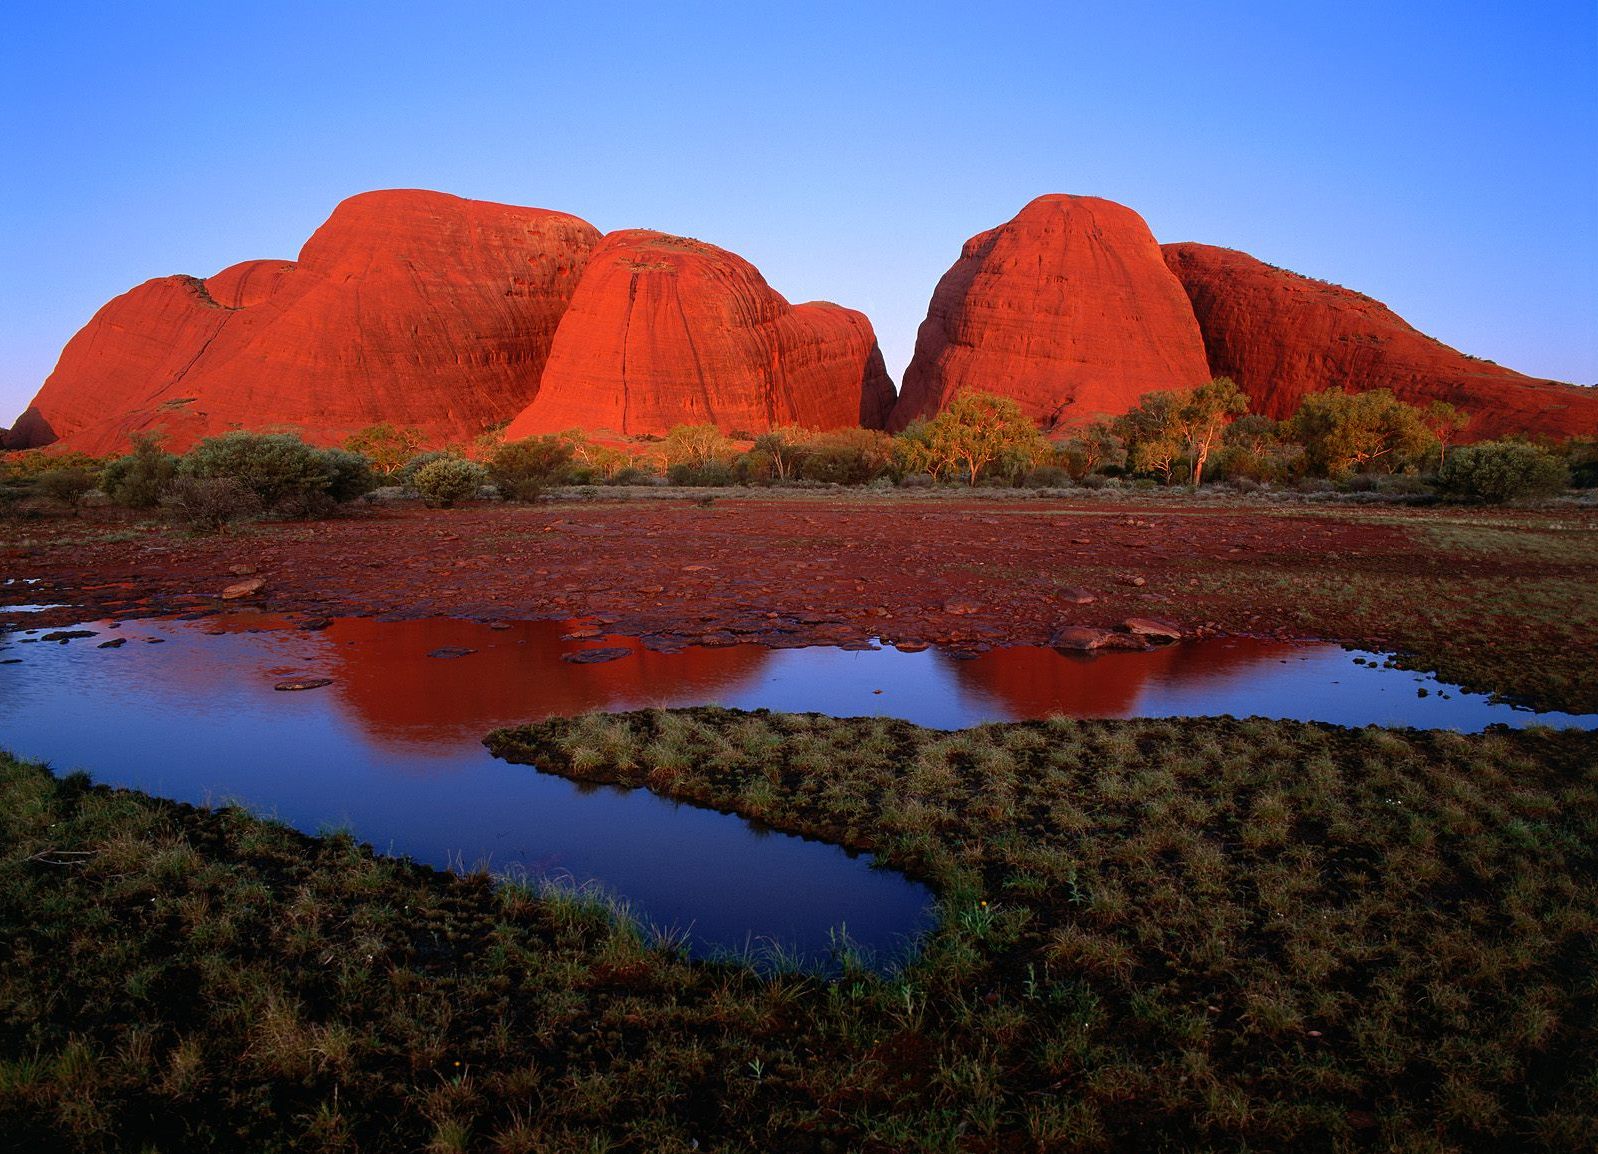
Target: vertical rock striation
<point>664,330</point>
<point>1281,336</point>
<point>1068,309</point>
<point>407,306</point>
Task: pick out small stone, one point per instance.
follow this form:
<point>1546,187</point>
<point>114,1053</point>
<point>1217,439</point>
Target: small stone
<point>315,624</point>
<point>243,588</point>
<point>300,683</point>
<point>1077,596</point>
<point>1083,638</point>
<point>1152,627</point>
<point>114,643</point>
<point>1135,582</point>
<point>65,635</point>
<point>450,651</point>
<point>241,570</point>
<point>961,608</point>
<point>582,633</point>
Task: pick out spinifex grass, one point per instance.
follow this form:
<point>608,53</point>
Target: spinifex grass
<point>1193,935</point>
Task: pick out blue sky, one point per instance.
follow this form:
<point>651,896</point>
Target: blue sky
<point>1442,157</point>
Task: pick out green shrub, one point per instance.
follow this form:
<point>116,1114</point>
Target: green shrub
<point>521,470</point>
<point>847,456</point>
<point>717,474</point>
<point>406,475</point>
<point>449,479</point>
<point>633,475</point>
<point>349,474</point>
<point>69,486</point>
<point>140,479</point>
<point>388,448</point>
<point>279,468</point>
<point>1499,471</point>
<point>1048,477</point>
<point>209,504</point>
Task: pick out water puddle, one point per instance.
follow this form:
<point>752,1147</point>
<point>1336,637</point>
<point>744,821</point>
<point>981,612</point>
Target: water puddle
<point>376,726</point>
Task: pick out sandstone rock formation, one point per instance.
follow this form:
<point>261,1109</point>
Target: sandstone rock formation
<point>1281,335</point>
<point>407,306</point>
<point>664,330</point>
<point>1067,308</point>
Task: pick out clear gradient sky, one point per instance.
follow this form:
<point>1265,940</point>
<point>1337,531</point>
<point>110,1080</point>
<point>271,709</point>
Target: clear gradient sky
<point>1442,157</point>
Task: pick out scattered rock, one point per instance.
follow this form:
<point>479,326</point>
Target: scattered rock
<point>1135,582</point>
<point>1152,627</point>
<point>315,624</point>
<point>595,656</point>
<point>300,683</point>
<point>114,643</point>
<point>1077,596</point>
<point>241,570</point>
<point>65,635</point>
<point>244,588</point>
<point>961,608</point>
<point>583,633</point>
<point>450,651</point>
<point>1081,637</point>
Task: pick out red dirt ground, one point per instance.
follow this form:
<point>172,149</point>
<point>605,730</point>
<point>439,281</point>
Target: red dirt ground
<point>807,569</point>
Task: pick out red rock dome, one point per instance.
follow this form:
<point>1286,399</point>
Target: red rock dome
<point>1068,309</point>
<point>413,307</point>
<point>1281,335</point>
<point>665,331</point>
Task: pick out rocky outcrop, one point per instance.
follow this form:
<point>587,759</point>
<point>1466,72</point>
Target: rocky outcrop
<point>1281,335</point>
<point>1068,309</point>
<point>413,307</point>
<point>664,330</point>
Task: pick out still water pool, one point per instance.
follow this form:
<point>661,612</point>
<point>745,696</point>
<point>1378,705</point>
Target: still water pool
<point>390,747</point>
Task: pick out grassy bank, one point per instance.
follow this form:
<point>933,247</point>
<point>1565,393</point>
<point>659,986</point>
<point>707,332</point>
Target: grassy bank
<point>1156,935</point>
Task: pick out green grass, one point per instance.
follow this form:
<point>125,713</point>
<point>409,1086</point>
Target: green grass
<point>1156,935</point>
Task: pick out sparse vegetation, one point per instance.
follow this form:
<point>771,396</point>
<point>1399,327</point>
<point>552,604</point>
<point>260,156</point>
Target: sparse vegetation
<point>1499,471</point>
<point>1153,935</point>
<point>446,480</point>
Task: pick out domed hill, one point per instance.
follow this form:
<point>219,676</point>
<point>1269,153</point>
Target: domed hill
<point>1067,308</point>
<point>413,307</point>
<point>665,331</point>
<point>1281,335</point>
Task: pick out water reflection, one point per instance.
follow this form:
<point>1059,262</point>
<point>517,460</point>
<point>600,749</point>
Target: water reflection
<point>391,746</point>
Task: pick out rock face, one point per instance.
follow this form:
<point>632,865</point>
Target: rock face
<point>665,331</point>
<point>406,306</point>
<point>1281,335</point>
<point>1068,309</point>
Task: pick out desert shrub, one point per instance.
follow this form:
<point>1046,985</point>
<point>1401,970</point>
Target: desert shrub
<point>1499,471</point>
<point>521,470</point>
<point>1048,477</point>
<point>634,475</point>
<point>139,479</point>
<point>1581,455</point>
<point>449,479</point>
<point>696,445</point>
<point>847,456</point>
<point>712,473</point>
<point>279,468</point>
<point>387,447</point>
<point>754,468</point>
<point>1370,431</point>
<point>349,475</point>
<point>406,474</point>
<point>209,504</point>
<point>978,431</point>
<point>68,486</point>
